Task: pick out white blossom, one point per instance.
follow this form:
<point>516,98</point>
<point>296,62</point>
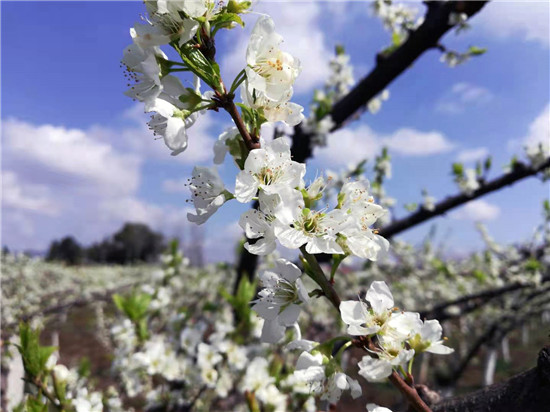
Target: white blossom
<point>315,229</point>
<point>311,369</point>
<point>364,320</point>
<point>269,169</point>
<point>363,213</point>
<point>280,301</point>
<point>372,407</point>
<point>428,339</point>
<point>468,183</point>
<point>269,70</point>
<point>281,110</point>
<point>208,193</point>
<point>221,146</point>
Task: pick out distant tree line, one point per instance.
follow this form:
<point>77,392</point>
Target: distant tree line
<point>133,243</point>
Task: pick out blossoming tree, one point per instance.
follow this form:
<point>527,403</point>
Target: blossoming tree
<point>181,359</point>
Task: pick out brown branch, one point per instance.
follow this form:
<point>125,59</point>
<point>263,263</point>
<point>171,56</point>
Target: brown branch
<point>226,101</point>
<point>526,392</point>
<point>519,171</point>
<point>409,392</point>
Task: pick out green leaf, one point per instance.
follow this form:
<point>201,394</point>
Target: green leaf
<point>226,21</point>
<point>480,276</point>
<point>238,7</point>
<point>134,306</point>
<point>196,62</point>
<point>84,367</point>
<point>35,405</point>
<point>458,169</point>
<point>487,164</point>
<point>476,51</point>
<point>192,99</point>
<point>533,265</point>
<point>34,355</point>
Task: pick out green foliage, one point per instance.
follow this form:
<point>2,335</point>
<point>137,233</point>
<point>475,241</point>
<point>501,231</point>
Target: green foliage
<point>197,63</point>
<point>225,20</point>
<point>532,265</point>
<point>458,170</point>
<point>240,302</point>
<point>34,355</point>
<point>84,367</point>
<point>476,51</point>
<point>487,164</point>
<point>35,405</point>
<point>479,275</point>
<point>135,307</point>
<point>134,242</point>
<point>192,99</point>
<point>238,7</point>
<point>253,118</point>
<point>546,209</point>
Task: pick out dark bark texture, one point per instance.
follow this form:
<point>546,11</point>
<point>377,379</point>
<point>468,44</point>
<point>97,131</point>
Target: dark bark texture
<point>526,392</point>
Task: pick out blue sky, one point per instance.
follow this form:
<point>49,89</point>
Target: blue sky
<point>78,159</point>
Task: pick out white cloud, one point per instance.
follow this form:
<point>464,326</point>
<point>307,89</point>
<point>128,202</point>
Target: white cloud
<point>462,96</point>
<point>60,181</point>
<point>29,197</point>
<point>411,142</point>
<point>347,146</point>
<point>539,132</point>
<point>471,155</point>
<point>350,146</point>
<point>505,19</point>
<point>300,25</point>
<point>68,153</point>
<point>477,210</point>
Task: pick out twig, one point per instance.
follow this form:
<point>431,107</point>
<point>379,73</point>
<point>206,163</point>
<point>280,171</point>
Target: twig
<point>226,101</point>
<point>409,392</point>
<point>320,278</point>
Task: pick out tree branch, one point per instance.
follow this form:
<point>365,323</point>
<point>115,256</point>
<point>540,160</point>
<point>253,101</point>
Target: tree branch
<point>320,278</point>
<point>520,171</point>
<point>469,303</point>
<point>387,69</point>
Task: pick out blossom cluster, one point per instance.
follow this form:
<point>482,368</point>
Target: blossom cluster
<point>398,335</point>
<point>189,27</point>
